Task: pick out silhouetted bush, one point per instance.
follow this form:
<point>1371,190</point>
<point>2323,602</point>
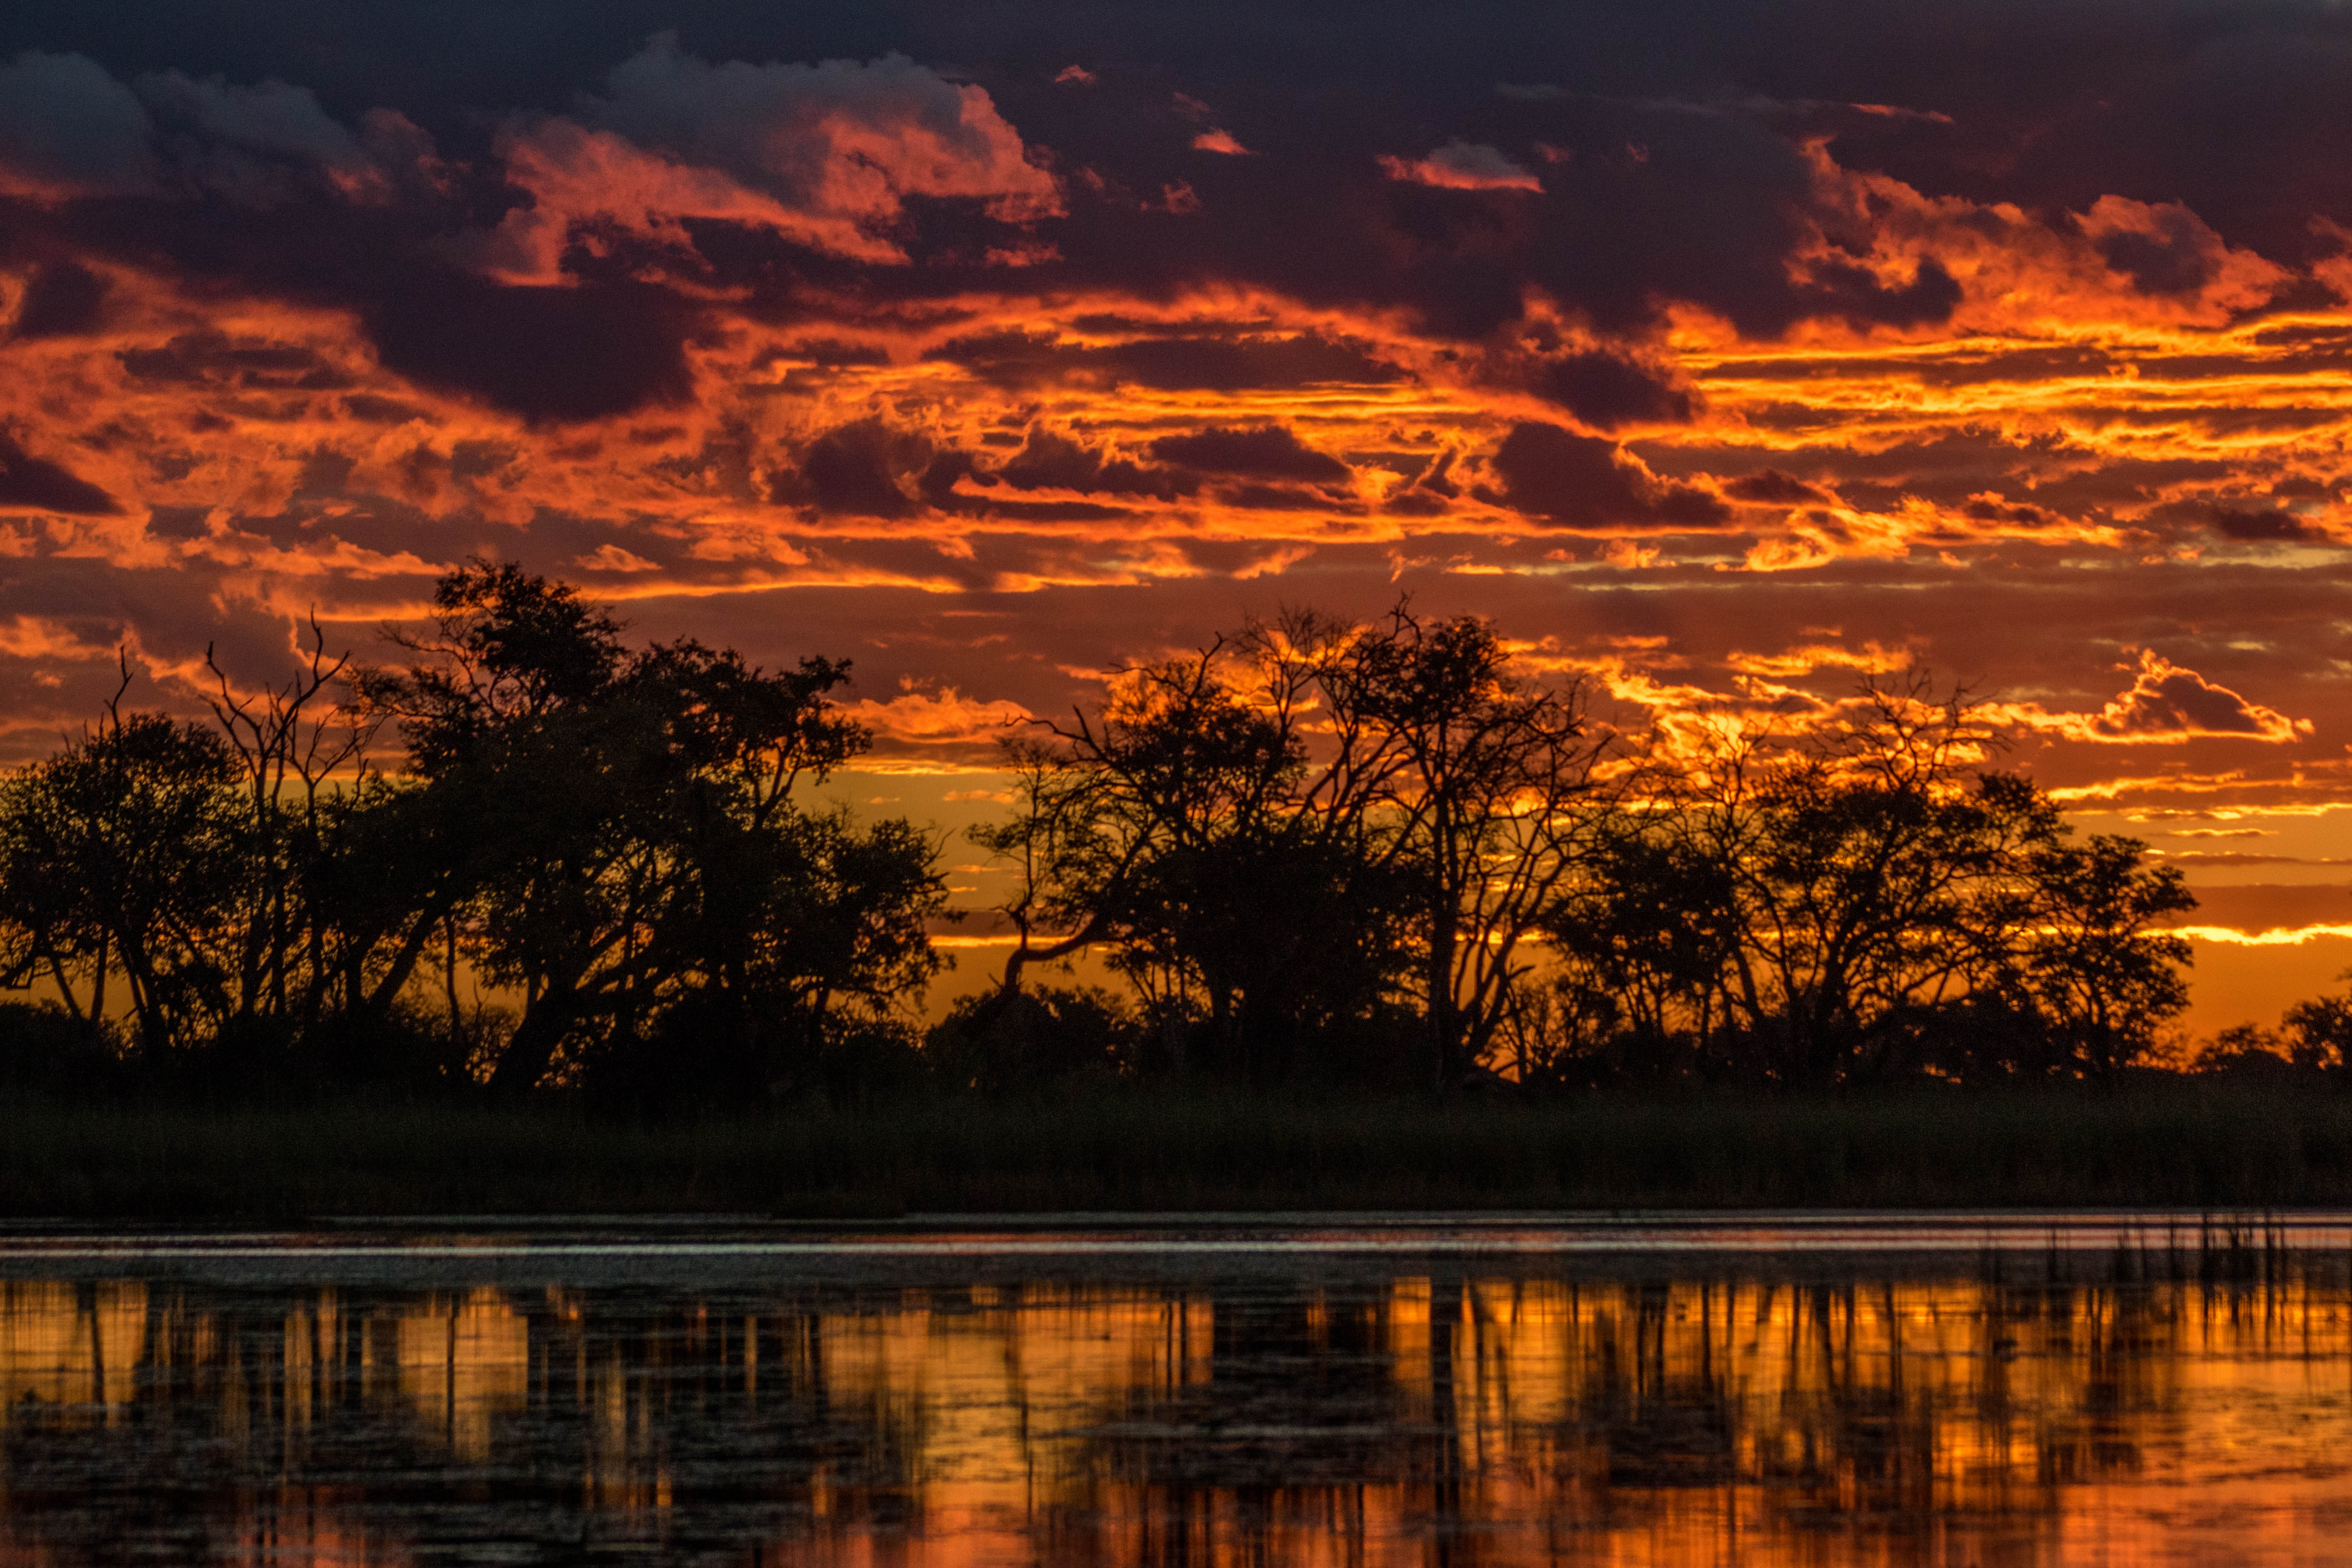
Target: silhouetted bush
<point>45,1050</point>
<point>1006,1040</point>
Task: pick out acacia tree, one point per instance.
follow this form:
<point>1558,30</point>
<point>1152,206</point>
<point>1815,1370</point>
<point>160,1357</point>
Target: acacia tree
<point>1491,786</point>
<point>2089,976</point>
<point>1305,822</point>
<point>1864,899</point>
<point>617,834</point>
<point>129,852</point>
<point>1182,826</point>
<point>301,755</point>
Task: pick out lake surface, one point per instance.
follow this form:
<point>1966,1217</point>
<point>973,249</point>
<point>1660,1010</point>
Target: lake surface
<point>1817,1389</point>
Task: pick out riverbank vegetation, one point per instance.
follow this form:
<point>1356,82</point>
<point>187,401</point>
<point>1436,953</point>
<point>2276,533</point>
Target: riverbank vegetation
<point>2224,1147</point>
<point>1401,858</point>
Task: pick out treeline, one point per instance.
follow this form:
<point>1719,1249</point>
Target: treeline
<point>1385,856</point>
<point>1385,851</point>
<point>614,840</point>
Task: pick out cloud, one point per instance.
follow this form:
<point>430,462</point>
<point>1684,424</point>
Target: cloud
<point>823,155</point>
<point>872,469</point>
<point>839,137</point>
<point>610,557</point>
<point>251,144</point>
<point>1218,141</point>
<point>1770,486</point>
<point>1462,166</point>
<point>36,484</point>
<point>69,128</point>
<point>2163,248</point>
<point>62,300</point>
<point>2263,525</point>
<point>1048,461</point>
<point>2051,366</point>
<point>1607,391</point>
<point>944,719</point>
<point>582,180</point>
<point>2165,705</point>
<point>43,636</point>
<point>1258,452</point>
<point>548,352</point>
<point>1796,662</point>
<point>1593,485</point>
<point>1169,361</point>
<point>213,360</point>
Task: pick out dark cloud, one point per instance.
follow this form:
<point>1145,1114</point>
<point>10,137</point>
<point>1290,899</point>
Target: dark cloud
<point>36,484</point>
<point>2167,702</point>
<point>1051,461</point>
<point>1263,452</point>
<point>775,125</point>
<point>211,359</point>
<point>1192,363</point>
<point>1283,498</point>
<point>543,352</point>
<point>2177,256</point>
<point>257,147</point>
<point>62,300</point>
<point>1607,392</point>
<point>66,121</point>
<point>833,353</point>
<point>2021,514</point>
<point>862,470</point>
<point>1586,483</point>
<point>1654,161</point>
<point>1859,296</point>
<point>1770,486</point>
<point>2262,525</point>
<point>1975,366</point>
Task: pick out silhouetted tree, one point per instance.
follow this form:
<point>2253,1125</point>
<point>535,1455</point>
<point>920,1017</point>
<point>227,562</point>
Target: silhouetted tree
<point>303,770</point>
<point>619,837</point>
<point>1303,824</point>
<point>1860,900</point>
<point>1386,851</point>
<point>1036,1037</point>
<point>2312,1041</point>
<point>1182,827</point>
<point>129,852</point>
<point>1490,788</point>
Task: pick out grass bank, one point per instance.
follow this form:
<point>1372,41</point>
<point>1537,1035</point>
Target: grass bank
<point>2187,1146</point>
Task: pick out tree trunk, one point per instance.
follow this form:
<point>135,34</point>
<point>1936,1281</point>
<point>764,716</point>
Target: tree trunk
<point>537,1038</point>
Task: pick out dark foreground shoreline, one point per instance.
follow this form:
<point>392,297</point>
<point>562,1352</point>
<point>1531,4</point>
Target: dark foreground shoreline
<point>2187,1146</point>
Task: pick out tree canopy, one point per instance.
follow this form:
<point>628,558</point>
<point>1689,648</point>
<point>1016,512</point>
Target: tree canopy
<point>524,853</point>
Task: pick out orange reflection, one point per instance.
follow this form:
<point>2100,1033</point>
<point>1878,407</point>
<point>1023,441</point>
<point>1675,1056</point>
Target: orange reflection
<point>1410,1420</point>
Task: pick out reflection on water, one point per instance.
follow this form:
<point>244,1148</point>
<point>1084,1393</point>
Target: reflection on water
<point>1484,1412</point>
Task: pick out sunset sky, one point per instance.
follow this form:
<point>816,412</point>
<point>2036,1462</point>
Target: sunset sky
<point>1723,352</point>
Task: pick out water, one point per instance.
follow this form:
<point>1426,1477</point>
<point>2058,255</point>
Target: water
<point>1814,1389</point>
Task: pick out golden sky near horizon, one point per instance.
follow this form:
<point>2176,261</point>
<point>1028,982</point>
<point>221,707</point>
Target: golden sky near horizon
<point>1722,360</point>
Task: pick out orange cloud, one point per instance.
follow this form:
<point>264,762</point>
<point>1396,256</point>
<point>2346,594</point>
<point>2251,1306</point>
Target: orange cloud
<point>2165,705</point>
<point>1791,663</point>
<point>1462,166</point>
<point>37,636</point>
<point>580,180</point>
<point>941,719</point>
<point>824,155</point>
